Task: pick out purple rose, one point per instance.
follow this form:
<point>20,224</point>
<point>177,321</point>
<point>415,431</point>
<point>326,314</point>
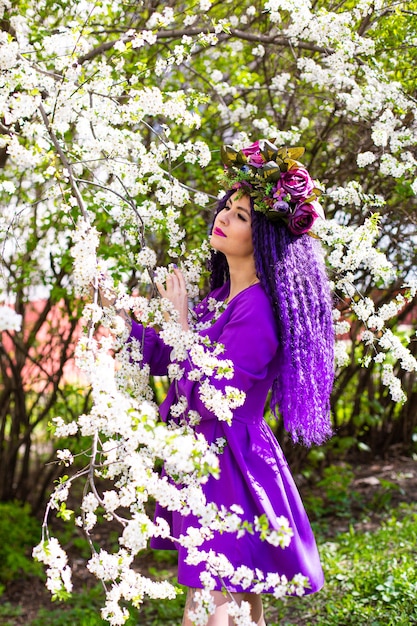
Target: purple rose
<point>304,217</point>
<point>280,206</point>
<point>297,182</point>
<point>254,155</point>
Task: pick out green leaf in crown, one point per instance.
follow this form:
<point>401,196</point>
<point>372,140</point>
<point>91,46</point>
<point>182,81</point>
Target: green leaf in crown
<point>270,172</point>
<point>231,157</point>
<point>268,150</point>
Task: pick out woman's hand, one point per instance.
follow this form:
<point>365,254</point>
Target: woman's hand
<point>107,298</point>
<point>176,292</point>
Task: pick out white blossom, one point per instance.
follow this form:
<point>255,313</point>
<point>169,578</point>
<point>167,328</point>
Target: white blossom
<point>393,383</point>
<point>58,571</point>
<point>63,429</point>
<point>65,456</point>
<point>9,319</point>
<point>85,240</point>
<point>365,158</point>
<point>147,257</point>
<point>341,355</point>
<point>258,51</point>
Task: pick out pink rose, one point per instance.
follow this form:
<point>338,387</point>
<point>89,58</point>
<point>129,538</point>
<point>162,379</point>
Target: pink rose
<point>304,217</point>
<point>297,182</point>
<point>254,155</point>
<point>252,149</point>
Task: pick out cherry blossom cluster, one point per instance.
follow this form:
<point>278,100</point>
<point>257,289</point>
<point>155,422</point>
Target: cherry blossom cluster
<point>351,252</point>
<point>9,319</point>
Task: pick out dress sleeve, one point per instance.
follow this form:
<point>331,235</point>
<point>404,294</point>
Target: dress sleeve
<point>250,341</point>
<point>155,352</point>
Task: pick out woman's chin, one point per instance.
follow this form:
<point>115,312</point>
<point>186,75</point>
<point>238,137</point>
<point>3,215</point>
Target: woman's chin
<point>214,243</point>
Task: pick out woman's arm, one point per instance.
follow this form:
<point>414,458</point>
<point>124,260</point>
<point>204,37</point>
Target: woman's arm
<point>154,351</point>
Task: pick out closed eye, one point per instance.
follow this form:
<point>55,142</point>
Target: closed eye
<point>241,216</point>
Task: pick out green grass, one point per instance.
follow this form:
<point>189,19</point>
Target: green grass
<point>371,579</point>
<point>370,569</point>
<point>8,613</point>
<point>19,532</point>
<point>83,609</point>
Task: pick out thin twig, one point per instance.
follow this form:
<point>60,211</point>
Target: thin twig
<point>65,162</point>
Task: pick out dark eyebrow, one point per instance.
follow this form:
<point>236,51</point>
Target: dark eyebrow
<point>241,208</point>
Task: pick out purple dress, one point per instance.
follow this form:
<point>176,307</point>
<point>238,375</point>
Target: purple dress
<point>253,471</point>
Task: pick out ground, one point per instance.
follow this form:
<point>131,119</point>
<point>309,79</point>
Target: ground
<point>397,475</point>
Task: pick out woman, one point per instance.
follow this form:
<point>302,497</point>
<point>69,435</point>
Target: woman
<point>276,327</point>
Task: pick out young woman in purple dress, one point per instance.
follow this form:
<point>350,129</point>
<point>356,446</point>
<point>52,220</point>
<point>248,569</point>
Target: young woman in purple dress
<point>276,327</point>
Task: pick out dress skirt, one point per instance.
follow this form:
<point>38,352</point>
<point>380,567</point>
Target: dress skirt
<point>254,474</point>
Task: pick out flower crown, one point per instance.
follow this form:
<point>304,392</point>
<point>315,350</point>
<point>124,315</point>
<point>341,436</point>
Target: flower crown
<point>280,186</point>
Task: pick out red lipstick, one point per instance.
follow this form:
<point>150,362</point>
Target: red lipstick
<point>217,231</point>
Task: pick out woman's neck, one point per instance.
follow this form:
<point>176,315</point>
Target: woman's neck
<point>241,278</point>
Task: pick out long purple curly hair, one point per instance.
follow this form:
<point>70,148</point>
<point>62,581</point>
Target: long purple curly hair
<point>292,272</point>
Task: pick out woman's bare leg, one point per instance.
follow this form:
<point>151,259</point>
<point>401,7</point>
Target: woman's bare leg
<point>257,609</point>
<point>221,600</point>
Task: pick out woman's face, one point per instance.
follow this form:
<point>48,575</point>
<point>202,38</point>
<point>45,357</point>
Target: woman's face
<point>232,229</point>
